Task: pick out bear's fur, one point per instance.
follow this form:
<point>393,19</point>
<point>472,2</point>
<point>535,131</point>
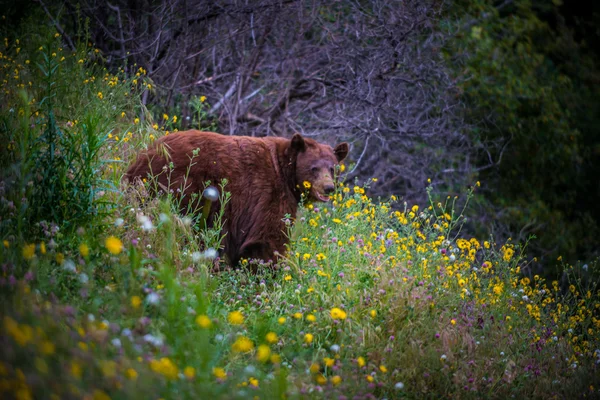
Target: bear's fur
<point>265,178</point>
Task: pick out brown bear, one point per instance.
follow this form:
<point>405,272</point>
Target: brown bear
<point>266,178</point>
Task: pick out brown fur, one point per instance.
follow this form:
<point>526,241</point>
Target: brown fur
<point>265,178</point>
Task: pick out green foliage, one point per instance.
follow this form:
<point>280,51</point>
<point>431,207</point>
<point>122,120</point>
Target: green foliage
<point>529,102</point>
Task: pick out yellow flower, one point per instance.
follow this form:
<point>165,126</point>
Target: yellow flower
<point>100,95</point>
<point>453,321</point>
<point>203,321</point>
<point>235,318</point>
<point>306,184</point>
<point>508,253</point>
<point>336,380</point>
<point>360,361</point>
<point>131,374</point>
<point>76,370</point>
<point>275,358</point>
<point>311,318</point>
<point>287,278</point>
<point>136,301</point>
<point>174,118</point>
<point>84,250</point>
<point>28,251</point>
<point>497,289</point>
<point>281,320</point>
<point>383,368</point>
<point>219,373</point>
<point>342,167</point>
<point>47,347</point>
<point>6,244</point>
<point>114,245</point>
<point>298,315</point>
<point>321,380</point>
<point>136,121</point>
<point>165,117</point>
<point>337,313</point>
<point>202,99</point>
<point>253,382</point>
<point>43,248</point>
<point>165,367</point>
<point>242,345</point>
<point>373,313</point>
<point>271,337</point>
<point>263,353</point>
<point>189,372</point>
<point>314,368</point>
<point>308,338</point>
<point>328,361</point>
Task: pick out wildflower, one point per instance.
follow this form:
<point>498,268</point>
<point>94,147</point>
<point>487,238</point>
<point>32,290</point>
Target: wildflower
<point>113,245</point>
<point>131,374</point>
<point>383,369</point>
<point>43,248</point>
<point>100,95</point>
<point>311,318</point>
<point>271,337</point>
<point>336,380</point>
<point>28,251</point>
<point>47,347</point>
<point>219,373</point>
<point>308,338</point>
<point>153,298</point>
<point>189,372</point>
<point>136,301</point>
<point>203,321</point>
<point>108,368</point>
<point>202,99</point>
<point>453,321</point>
<point>298,315</point>
<point>373,313</point>
<point>136,121</point>
<point>165,367</point>
<point>263,353</point>
<point>306,184</point>
<point>242,345</point>
<point>328,361</point>
<point>281,320</point>
<point>360,361</point>
<point>84,250</point>
<point>6,244</point>
<point>399,386</point>
<point>337,313</point>
<point>235,318</point>
<point>253,382</point>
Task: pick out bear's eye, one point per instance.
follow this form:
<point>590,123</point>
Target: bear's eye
<point>314,170</point>
<point>331,171</point>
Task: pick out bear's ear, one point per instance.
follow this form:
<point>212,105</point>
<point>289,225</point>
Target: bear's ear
<point>298,142</point>
<point>341,151</point>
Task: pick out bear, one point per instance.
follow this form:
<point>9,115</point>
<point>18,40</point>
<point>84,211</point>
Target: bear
<point>266,178</point>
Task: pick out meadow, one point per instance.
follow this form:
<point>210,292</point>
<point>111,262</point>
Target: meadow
<point>107,293</point>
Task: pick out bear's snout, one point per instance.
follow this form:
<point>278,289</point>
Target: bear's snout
<point>329,189</point>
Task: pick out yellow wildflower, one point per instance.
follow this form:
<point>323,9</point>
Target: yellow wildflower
<point>114,245</point>
<point>263,353</point>
<point>235,318</point>
<point>203,321</point>
<point>189,372</point>
<point>336,380</point>
<point>337,313</point>
<point>271,337</point>
<point>308,338</point>
<point>28,251</point>
<point>84,250</point>
<point>242,345</point>
<point>136,301</point>
<point>219,373</point>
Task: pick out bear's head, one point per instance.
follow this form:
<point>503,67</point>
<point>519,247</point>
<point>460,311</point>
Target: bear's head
<point>315,164</point>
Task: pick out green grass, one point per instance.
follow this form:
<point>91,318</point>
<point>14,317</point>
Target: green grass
<point>117,299</point>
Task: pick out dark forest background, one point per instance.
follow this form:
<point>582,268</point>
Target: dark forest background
<point>502,92</point>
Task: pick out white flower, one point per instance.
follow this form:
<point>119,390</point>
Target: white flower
<point>163,217</point>
<point>211,193</point>
<point>219,337</point>
<point>196,256</point>
<point>119,221</point>
<point>452,257</point>
<point>502,353</point>
<point>335,348</point>
<point>153,298</point>
<point>525,298</point>
<point>399,386</point>
<point>69,265</point>
<point>126,332</point>
<point>116,342</point>
<point>91,317</point>
<point>83,278</point>
<point>210,253</point>
<point>145,222</point>
<point>443,357</point>
<point>155,340</point>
